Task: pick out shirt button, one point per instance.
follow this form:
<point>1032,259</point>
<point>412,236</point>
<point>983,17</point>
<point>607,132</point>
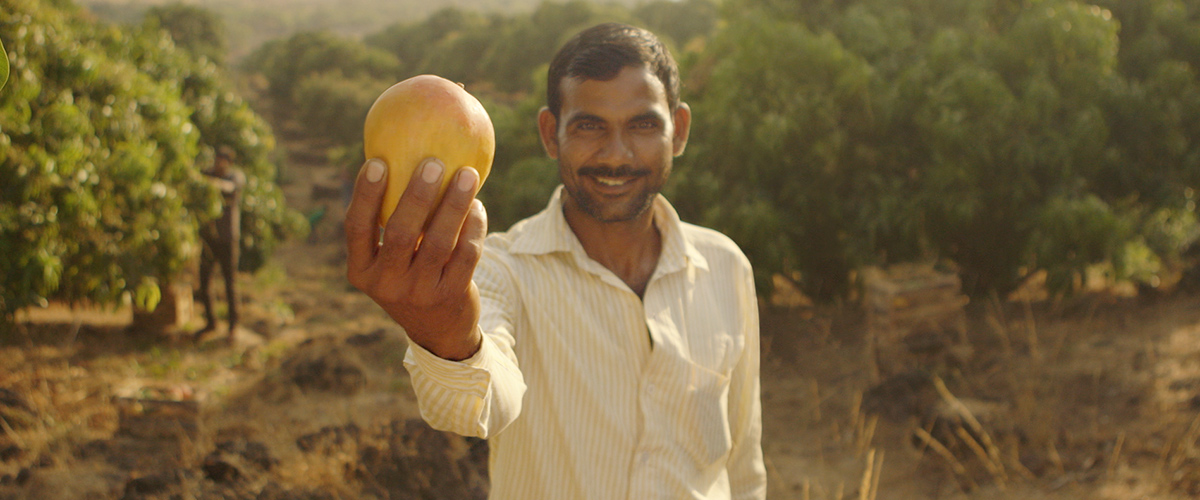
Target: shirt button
<point>643,457</point>
<point>650,389</point>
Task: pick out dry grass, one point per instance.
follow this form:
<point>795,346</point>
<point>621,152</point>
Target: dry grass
<point>1081,400</point>
<point>1095,400</point>
<point>1090,402</point>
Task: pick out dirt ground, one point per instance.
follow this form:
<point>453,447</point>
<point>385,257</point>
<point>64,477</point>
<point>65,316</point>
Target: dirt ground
<point>1096,398</point>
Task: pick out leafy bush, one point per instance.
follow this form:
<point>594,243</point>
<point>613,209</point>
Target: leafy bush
<point>1001,136</point>
<point>336,105</point>
<point>997,135</point>
<point>286,63</point>
<point>194,29</point>
<point>100,134</point>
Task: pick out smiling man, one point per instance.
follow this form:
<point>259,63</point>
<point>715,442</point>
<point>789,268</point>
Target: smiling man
<point>605,349</point>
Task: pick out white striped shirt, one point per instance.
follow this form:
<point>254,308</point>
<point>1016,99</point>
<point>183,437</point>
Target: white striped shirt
<point>585,391</point>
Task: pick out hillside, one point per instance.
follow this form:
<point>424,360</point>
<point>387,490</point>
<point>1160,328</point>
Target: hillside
<point>249,24</point>
<point>1091,399</point>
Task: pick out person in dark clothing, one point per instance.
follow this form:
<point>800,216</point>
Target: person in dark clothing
<point>220,240</point>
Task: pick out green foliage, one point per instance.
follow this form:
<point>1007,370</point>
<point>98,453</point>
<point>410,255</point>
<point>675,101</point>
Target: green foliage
<point>1003,136</point>
<point>100,130</point>
<point>249,24</point>
<point>325,84</point>
<point>338,104</point>
<point>194,29</point>
<point>681,21</point>
<point>288,62</point>
<point>503,50</point>
<point>1074,233</point>
<point>1134,243</point>
<point>96,153</point>
<point>522,176</point>
<point>777,142</point>
<point>437,45</point>
<point>223,118</point>
<point>995,134</point>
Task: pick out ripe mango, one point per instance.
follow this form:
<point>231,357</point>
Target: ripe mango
<point>427,116</point>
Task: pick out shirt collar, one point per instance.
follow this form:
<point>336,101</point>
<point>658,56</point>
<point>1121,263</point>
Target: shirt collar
<point>548,232</point>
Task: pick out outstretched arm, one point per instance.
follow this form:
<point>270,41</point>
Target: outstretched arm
<point>419,273</point>
<point>466,380</point>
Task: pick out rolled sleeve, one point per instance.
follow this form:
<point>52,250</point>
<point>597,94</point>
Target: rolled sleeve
<point>476,397</point>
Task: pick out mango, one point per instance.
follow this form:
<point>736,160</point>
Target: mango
<point>423,117</point>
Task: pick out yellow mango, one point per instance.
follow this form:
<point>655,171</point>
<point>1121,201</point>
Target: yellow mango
<point>424,117</point>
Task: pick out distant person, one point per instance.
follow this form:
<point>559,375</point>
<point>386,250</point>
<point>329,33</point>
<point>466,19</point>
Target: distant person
<point>220,240</point>
<point>604,348</point>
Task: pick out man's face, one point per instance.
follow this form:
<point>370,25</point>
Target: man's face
<point>614,141</point>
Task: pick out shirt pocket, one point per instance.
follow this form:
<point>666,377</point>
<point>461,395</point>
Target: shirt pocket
<point>718,352</point>
<point>705,409</point>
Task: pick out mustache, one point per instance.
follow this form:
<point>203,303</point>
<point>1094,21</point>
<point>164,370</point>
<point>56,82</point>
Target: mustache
<point>622,171</point>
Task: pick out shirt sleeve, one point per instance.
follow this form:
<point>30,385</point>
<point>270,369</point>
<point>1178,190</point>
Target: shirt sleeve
<point>747,474</point>
<point>481,395</point>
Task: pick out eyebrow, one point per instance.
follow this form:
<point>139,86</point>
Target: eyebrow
<point>588,117</point>
<point>584,117</point>
<point>649,116</point>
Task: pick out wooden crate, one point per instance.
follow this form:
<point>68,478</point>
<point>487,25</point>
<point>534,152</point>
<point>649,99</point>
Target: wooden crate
<point>915,317</point>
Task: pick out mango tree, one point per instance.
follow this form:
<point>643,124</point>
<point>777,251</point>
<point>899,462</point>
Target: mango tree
<point>103,133</point>
<point>1000,137</point>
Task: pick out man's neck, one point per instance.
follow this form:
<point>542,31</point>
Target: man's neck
<point>630,249</point>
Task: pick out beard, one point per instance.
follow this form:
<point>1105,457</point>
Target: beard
<point>606,209</point>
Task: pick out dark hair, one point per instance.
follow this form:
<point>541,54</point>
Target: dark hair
<point>602,51</point>
<point>226,153</point>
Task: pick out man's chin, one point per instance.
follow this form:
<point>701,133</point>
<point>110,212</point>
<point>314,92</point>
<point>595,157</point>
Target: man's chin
<point>616,212</point>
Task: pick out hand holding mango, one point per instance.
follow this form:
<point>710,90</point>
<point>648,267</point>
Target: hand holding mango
<point>424,117</point>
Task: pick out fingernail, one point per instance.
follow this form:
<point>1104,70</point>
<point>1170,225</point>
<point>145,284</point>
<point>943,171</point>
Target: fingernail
<point>375,170</point>
<point>465,180</point>
<point>431,171</point>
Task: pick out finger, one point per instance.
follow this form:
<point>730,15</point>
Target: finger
<point>467,253</point>
<point>442,235</point>
<point>404,228</point>
<point>362,230</point>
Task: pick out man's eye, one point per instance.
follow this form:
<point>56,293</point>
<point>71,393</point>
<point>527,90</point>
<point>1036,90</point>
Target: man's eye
<point>645,125</point>
<point>587,126</point>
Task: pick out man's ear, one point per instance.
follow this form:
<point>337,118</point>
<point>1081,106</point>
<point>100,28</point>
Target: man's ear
<point>548,130</point>
<point>683,127</point>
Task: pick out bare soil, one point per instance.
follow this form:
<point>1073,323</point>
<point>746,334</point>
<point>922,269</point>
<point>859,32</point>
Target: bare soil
<point>1094,398</point>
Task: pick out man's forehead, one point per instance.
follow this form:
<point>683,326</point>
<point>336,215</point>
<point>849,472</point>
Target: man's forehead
<point>633,88</point>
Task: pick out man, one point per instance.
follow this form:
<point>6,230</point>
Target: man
<point>606,349</point>
<point>220,241</point>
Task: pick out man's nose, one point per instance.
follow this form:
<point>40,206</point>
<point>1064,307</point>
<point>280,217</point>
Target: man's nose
<point>617,150</point>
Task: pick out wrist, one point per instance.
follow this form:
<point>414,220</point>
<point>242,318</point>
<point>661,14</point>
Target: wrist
<point>461,351</point>
<point>451,347</point>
